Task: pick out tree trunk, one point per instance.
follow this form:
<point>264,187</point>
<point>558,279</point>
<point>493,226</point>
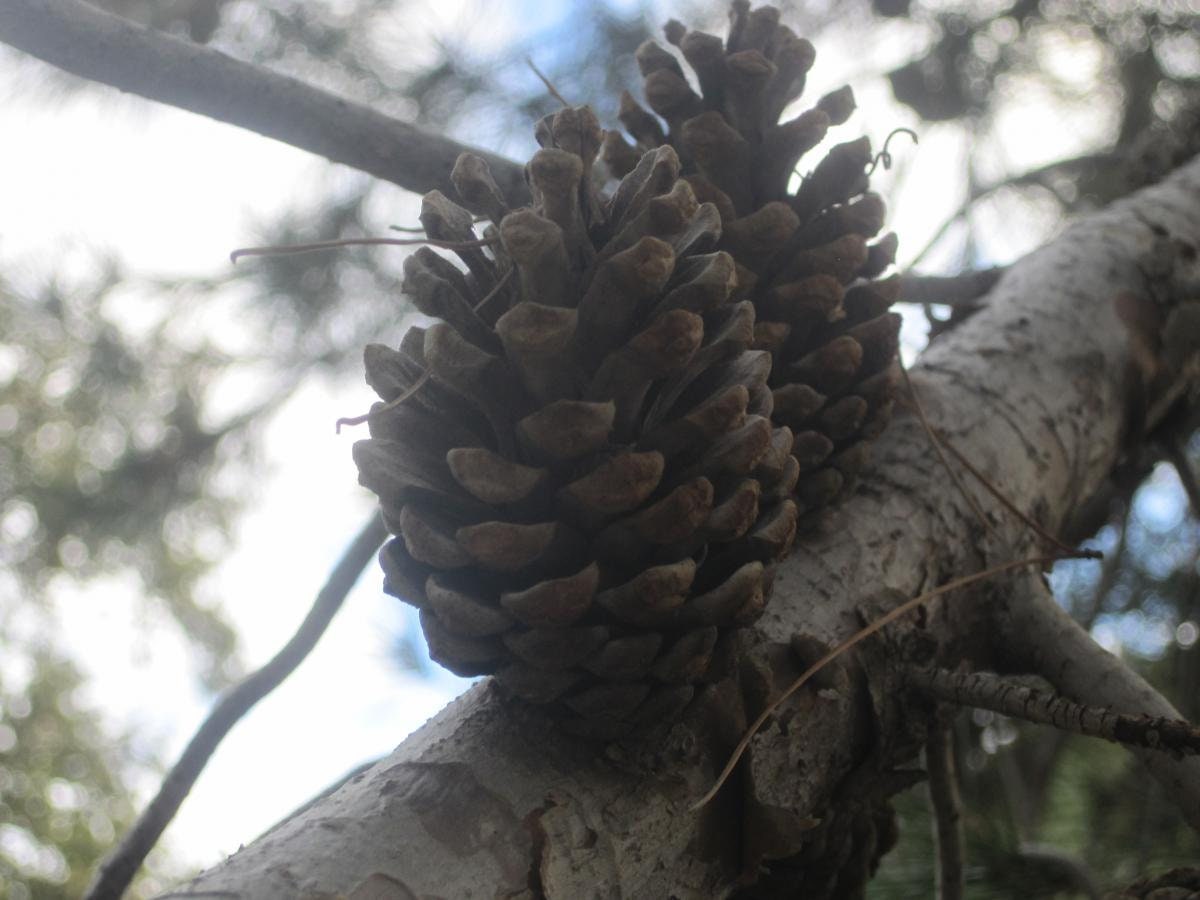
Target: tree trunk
<point>1068,365</point>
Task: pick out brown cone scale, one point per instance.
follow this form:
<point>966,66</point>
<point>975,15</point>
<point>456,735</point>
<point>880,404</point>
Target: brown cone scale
<point>806,249</point>
<point>584,482</point>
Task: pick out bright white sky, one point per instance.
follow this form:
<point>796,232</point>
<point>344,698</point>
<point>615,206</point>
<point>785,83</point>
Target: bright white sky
<point>172,193</point>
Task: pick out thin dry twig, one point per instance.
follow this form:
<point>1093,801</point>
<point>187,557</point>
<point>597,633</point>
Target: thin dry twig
<point>117,871</point>
<point>1033,178</point>
<point>856,638</point>
<point>946,806</point>
<point>553,91</point>
<point>962,290</point>
<point>986,690</point>
<point>358,242</point>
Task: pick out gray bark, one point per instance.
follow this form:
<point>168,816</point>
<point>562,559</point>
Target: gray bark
<point>91,43</point>
<point>488,800</point>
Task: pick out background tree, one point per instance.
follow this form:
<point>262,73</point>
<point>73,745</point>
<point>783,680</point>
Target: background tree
<point>88,436</point>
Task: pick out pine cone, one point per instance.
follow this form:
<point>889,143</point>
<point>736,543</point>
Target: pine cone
<point>583,477</point>
<point>803,258</point>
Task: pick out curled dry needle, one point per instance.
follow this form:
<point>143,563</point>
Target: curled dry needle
<point>290,249</point>
<point>884,156</point>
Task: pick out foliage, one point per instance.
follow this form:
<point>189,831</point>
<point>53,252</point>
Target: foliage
<point>64,784</point>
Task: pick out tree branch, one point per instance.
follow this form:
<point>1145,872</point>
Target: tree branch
<point>986,690</point>
<point>116,872</point>
<point>961,290</point>
<point>86,41</point>
<point>1039,177</point>
<point>1046,641</point>
<point>946,806</point>
<point>490,793</point>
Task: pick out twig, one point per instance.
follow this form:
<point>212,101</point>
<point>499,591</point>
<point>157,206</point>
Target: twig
<point>1034,177</point>
<point>962,290</point>
<point>986,690</point>
<point>291,249</point>
<point>117,871</point>
<point>1187,475</point>
<point>88,42</point>
<point>937,448</point>
<point>553,91</point>
<point>856,638</point>
<point>946,805</point>
<point>1108,575</point>
<point>1033,634</point>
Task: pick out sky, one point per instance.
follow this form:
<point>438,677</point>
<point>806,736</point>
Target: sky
<point>348,702</point>
<point>171,194</point>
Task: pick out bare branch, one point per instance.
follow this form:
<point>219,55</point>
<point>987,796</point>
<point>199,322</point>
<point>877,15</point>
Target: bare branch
<point>91,43</point>
<point>1048,642</point>
<point>961,290</point>
<point>946,806</point>
<point>986,690</point>
<point>1039,177</point>
<point>117,871</point>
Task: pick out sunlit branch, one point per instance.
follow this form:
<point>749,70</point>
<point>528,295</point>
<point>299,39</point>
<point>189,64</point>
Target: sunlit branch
<point>91,43</point>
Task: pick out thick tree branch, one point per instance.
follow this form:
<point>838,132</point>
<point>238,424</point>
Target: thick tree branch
<point>86,41</point>
<point>986,690</point>
<point>1033,390</point>
<point>117,872</point>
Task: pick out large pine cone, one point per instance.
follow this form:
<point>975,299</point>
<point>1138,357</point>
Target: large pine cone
<point>583,477</point>
<point>804,258</point>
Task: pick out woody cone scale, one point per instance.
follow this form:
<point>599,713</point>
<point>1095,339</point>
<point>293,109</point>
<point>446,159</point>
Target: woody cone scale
<point>586,461</point>
<point>806,257</point>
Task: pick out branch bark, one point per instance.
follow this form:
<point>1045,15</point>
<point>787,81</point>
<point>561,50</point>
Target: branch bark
<point>489,798</point>
<point>946,805</point>
<point>965,289</point>
<point>1048,642</point>
<point>86,41</point>
<point>986,690</point>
